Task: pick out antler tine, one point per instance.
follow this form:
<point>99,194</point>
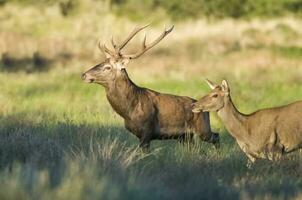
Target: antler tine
<point>147,47</point>
<point>113,43</point>
<point>104,49</point>
<point>132,34</point>
<point>144,41</point>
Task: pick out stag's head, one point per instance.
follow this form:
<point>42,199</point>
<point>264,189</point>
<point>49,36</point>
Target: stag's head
<point>116,61</point>
<point>215,100</point>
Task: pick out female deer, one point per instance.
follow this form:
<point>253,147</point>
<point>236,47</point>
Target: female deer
<point>267,133</point>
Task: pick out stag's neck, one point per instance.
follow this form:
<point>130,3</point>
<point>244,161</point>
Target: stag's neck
<point>233,120</point>
<point>122,94</point>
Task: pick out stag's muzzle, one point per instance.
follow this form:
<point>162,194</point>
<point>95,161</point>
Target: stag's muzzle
<point>87,78</point>
<point>195,108</point>
<point>83,77</point>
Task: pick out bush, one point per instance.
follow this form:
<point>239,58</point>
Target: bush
<point>135,9</point>
<point>33,2</point>
<point>179,9</point>
<point>69,7</point>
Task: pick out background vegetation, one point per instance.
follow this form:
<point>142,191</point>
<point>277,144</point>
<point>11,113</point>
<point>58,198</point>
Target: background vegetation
<point>59,137</point>
<point>178,9</point>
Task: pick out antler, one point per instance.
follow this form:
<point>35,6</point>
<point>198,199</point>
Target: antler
<point>118,48</point>
<point>104,49</point>
<point>149,46</point>
<point>132,34</point>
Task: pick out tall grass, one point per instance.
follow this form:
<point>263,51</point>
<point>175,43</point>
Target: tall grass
<point>60,139</point>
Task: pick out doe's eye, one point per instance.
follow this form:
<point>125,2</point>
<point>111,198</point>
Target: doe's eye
<point>215,95</point>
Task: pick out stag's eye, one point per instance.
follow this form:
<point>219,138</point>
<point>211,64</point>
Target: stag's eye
<point>215,95</point>
<point>107,67</point>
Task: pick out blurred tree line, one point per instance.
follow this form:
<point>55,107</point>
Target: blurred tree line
<point>183,9</point>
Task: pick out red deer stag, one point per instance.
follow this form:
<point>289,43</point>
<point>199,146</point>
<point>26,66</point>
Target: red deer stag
<point>147,114</point>
<point>267,133</point>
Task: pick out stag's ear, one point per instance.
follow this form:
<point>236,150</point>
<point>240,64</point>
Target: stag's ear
<point>121,64</point>
<point>125,61</point>
<point>211,84</point>
<point>225,86</point>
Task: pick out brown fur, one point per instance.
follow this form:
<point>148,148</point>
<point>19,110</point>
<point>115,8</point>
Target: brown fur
<point>149,114</point>
<point>267,133</point>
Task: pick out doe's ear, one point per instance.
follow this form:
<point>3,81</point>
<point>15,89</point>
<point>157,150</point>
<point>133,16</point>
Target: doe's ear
<point>225,86</point>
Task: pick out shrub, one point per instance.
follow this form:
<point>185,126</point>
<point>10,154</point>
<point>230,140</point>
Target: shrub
<point>179,10</point>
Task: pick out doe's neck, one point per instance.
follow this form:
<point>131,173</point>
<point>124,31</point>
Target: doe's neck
<point>233,120</point>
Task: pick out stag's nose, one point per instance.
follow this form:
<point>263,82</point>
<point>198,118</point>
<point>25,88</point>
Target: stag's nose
<point>83,76</point>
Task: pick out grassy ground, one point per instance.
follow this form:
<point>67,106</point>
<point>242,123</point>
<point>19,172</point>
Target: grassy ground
<point>60,139</point>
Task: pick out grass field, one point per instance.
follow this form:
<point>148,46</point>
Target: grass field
<point>60,139</point>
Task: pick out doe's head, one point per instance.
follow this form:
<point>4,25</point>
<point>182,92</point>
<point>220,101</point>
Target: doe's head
<point>215,100</point>
<point>115,60</point>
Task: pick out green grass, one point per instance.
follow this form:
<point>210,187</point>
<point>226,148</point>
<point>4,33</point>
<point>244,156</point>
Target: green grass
<point>61,140</point>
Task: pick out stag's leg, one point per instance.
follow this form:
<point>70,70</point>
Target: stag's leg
<point>212,138</point>
<point>145,140</point>
<point>181,139</point>
<point>145,146</point>
<point>215,139</point>
<point>144,134</point>
<point>186,138</point>
<point>203,130</point>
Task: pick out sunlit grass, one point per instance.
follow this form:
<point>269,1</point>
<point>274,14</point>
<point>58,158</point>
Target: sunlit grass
<point>60,138</point>
<point>62,135</point>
